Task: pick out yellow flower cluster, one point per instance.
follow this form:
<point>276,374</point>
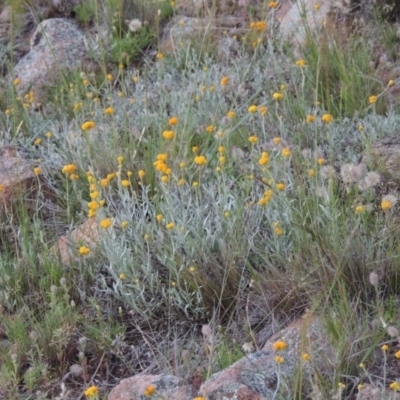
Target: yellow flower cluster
<point>149,391</point>
<point>264,158</point>
<point>91,392</point>
<point>168,135</point>
<point>200,160</point>
<point>258,25</point>
<point>88,125</point>
<point>267,197</point>
<point>161,166</point>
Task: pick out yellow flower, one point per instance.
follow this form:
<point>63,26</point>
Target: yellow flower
<point>278,232</point>
<point>160,56</point>
<point>395,386</point>
<point>397,354</point>
<point>94,195</point>
<point>17,81</point>
<point>279,359</point>
<point>310,118</point>
<point>341,385</point>
<point>195,149</point>
<point>93,205</point>
<point>301,63</point>
<point>263,201</point>
<point>181,182</point>
<point>360,209</point>
<point>286,152</point>
<point>316,7</point>
<point>276,140</point>
<point>224,81</point>
<point>277,96</point>
<point>104,182</point>
<point>327,118</point>
<point>280,345</point>
<point>168,135</point>
<point>273,4</point>
<point>109,111</point>
<point>264,158</point>
<point>1,188</point>
<point>37,171</point>
<point>49,135</point>
<point>84,250</point>
<point>164,178</point>
<point>125,183</point>
<point>210,128</point>
<point>200,160</point>
<point>182,164</point>
<point>252,109</point>
<point>37,142</point>
<point>68,169</point>
<point>321,161</point>
<point>195,184</point>
<point>74,177</point>
<point>385,347</point>
<point>124,224</point>
<point>149,391</point>
<point>109,77</point>
<point>306,357</point>
<point>231,114</point>
<point>372,99</point>
<point>122,276</point>
<point>91,213</point>
<point>173,121</point>
<point>212,88</point>
<point>88,125</point>
<point>105,223</point>
<point>221,149</point>
<point>170,226</point>
<point>311,173</point>
<point>141,174</point>
<point>391,82</point>
<point>260,26</point>
<point>222,159</point>
<point>102,202</point>
<point>159,217</point>
<point>92,391</point>
<point>253,139</point>
<point>263,110</point>
<point>280,186</point>
<point>386,205</point>
<point>85,82</point>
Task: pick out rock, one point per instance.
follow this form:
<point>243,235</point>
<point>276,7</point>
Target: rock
<point>183,30</point>
<point>385,156</point>
<point>171,387</point>
<point>86,234</point>
<point>303,18</point>
<point>311,17</point>
<point>5,15</point>
<point>57,46</point>
<point>16,178</point>
<point>255,376</point>
<point>370,392</point>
